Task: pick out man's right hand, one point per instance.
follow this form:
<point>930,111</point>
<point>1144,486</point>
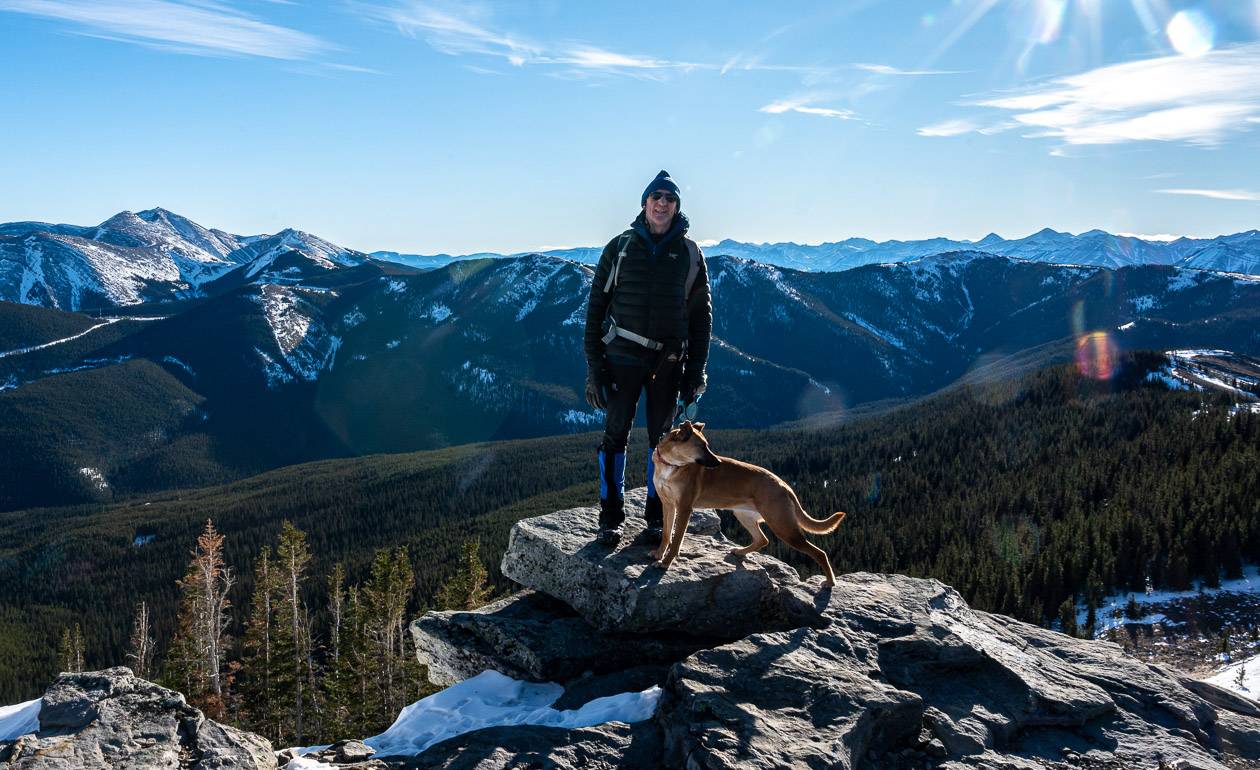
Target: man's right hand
<point>598,383</point>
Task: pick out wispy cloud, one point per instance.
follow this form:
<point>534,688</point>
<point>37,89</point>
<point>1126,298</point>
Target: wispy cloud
<point>188,27</point>
<point>949,128</point>
<point>1199,100</point>
<point>466,29</point>
<point>1220,195</point>
<point>884,69</point>
<point>803,106</point>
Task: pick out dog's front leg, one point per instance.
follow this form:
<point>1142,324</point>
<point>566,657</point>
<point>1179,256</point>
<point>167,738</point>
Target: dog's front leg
<point>668,510</point>
<point>681,517</point>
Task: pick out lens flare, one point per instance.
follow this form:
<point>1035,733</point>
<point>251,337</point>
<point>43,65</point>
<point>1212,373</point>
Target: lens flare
<point>1191,33</point>
<point>1096,356</point>
<point>1049,20</point>
<point>1077,319</point>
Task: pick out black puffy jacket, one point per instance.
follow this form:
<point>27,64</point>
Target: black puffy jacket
<point>648,299</point>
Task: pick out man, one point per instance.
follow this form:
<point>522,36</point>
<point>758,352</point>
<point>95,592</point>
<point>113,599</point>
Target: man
<point>648,323</point>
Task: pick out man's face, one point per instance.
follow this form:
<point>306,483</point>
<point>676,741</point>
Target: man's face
<point>661,207</point>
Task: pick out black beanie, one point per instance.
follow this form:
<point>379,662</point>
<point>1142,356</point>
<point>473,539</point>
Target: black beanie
<point>661,182</point>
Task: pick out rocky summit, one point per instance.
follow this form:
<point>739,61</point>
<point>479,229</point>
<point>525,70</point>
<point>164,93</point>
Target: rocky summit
<point>756,669</point>
<point>879,672</point>
<point>111,719</point>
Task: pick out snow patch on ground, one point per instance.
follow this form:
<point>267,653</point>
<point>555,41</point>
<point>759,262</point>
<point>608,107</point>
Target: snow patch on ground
<point>1143,303</point>
<point>880,333</point>
<point>141,540</point>
<point>436,312</point>
<point>32,348</point>
<point>491,699</point>
<point>306,345</point>
<point>1111,611</point>
<point>176,362</point>
<point>574,417</point>
<point>353,318</point>
<point>94,476</point>
<point>18,720</point>
<point>1248,684</point>
<point>1183,279</point>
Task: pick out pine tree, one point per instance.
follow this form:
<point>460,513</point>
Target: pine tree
<point>338,680</point>
<point>1067,616</point>
<point>70,650</point>
<point>258,683</point>
<point>292,638</point>
<point>468,588</point>
<point>196,663</point>
<point>140,646</point>
<point>386,596</point>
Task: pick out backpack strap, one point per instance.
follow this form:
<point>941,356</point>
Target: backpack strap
<point>615,273</point>
<point>693,270</point>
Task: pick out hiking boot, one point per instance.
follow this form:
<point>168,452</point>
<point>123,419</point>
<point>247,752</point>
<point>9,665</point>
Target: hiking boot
<point>608,536</point>
<point>650,536</point>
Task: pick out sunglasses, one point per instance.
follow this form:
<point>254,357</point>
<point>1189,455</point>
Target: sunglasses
<point>656,196</point>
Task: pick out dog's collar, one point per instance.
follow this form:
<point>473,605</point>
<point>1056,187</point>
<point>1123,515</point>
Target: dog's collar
<point>659,458</point>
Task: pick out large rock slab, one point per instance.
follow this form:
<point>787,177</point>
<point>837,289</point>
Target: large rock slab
<point>533,637</point>
<point>606,747</point>
<point>112,719</point>
<point>907,675</point>
<point>706,592</point>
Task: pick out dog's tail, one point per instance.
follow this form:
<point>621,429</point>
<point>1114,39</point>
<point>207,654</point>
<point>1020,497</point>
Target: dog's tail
<point>819,526</point>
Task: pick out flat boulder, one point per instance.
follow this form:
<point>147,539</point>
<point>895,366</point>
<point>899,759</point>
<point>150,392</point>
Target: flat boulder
<point>706,592</point>
<point>530,636</point>
<point>111,718</point>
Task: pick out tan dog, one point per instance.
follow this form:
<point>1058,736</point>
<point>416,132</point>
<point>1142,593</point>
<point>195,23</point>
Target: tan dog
<point>688,476</point>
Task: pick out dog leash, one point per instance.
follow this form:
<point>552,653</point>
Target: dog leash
<point>687,411</point>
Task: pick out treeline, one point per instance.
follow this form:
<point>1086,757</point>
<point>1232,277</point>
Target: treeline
<point>299,674</point>
<point>1022,494</point>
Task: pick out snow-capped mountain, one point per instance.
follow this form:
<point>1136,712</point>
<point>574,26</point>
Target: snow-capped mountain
<point>1239,252</point>
<point>1094,247</point>
<point>138,257</point>
<point>379,358</point>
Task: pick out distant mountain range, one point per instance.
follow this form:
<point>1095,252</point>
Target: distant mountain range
<point>320,354</point>
<point>157,255</point>
<point>1237,253</point>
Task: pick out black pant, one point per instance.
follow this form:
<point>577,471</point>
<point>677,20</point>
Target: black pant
<point>629,381</point>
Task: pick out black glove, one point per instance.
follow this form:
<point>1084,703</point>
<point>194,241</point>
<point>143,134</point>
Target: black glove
<point>598,383</point>
<point>693,385</point>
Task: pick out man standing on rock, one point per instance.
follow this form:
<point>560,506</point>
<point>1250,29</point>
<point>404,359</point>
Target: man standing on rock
<point>648,324</point>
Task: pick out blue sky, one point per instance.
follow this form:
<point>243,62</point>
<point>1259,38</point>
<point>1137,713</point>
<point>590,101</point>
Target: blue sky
<point>455,127</point>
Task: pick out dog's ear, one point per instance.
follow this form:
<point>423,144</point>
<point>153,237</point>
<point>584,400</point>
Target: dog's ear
<point>684,431</point>
<point>699,427</point>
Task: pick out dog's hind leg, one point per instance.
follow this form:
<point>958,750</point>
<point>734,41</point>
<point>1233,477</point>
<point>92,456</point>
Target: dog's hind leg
<point>797,540</point>
<point>752,522</point>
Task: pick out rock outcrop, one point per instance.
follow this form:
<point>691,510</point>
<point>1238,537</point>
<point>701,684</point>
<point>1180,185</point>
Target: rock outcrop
<point>878,672</point>
<point>707,592</point>
<point>111,719</point>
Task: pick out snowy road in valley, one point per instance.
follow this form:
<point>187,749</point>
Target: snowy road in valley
<point>85,332</point>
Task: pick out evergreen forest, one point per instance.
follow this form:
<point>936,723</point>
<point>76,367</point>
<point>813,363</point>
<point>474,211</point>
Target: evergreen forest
<point>1029,496</point>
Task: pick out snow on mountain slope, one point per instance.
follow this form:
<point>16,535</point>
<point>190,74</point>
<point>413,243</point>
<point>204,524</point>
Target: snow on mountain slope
<point>133,257</point>
<point>307,346</point>
<point>198,253</point>
<point>69,272</point>
<point>262,252</point>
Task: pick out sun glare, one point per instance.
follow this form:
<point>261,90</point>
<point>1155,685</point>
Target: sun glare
<point>1191,33</point>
